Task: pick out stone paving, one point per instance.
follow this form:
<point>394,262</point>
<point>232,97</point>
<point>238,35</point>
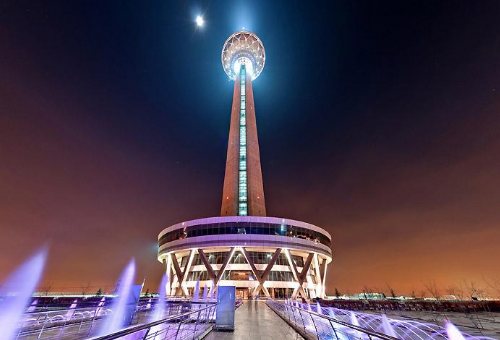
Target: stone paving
<point>254,320</point>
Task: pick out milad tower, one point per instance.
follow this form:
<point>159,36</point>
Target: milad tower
<point>260,255</point>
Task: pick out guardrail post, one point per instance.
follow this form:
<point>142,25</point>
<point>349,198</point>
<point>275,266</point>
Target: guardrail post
<point>81,322</point>
<point>212,313</point>
<point>303,323</point>
<point>314,323</point>
<point>178,328</point>
<point>293,313</point>
<point>196,324</point>
<point>92,323</point>
<point>146,334</point>
<point>334,330</point>
<point>161,330</point>
<point>43,326</point>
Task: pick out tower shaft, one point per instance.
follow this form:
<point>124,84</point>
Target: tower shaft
<point>243,192</point>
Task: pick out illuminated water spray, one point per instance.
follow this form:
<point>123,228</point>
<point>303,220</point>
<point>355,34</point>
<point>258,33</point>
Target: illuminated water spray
<point>388,329</point>
<point>33,305</point>
<point>196,291</point>
<point>210,289</point>
<point>205,292</point>
<point>400,329</point>
<point>117,319</point>
<point>453,332</point>
<point>318,308</point>
<point>159,309</point>
<point>71,310</point>
<point>16,292</point>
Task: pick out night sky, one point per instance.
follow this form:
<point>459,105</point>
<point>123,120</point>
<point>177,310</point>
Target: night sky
<point>377,120</point>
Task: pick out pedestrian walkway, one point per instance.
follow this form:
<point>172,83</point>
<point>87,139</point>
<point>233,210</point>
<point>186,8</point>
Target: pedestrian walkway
<point>254,320</point>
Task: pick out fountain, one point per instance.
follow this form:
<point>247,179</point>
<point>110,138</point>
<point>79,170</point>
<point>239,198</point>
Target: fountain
<point>355,322</point>
<point>205,292</point>
<point>349,324</point>
<point>118,318</point>
<point>196,291</point>
<point>69,315</point>
<point>453,332</point>
<point>318,308</point>
<point>387,327</point>
<point>339,329</point>
<point>32,307</point>
<point>17,290</point>
<point>71,310</point>
<point>210,285</point>
<point>159,309</point>
<point>99,309</point>
<point>354,319</point>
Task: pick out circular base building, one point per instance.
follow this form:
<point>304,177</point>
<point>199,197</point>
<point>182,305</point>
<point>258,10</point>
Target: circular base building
<point>262,256</point>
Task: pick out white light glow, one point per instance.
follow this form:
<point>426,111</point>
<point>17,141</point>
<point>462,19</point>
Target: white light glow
<point>248,66</point>
<point>243,47</point>
<point>199,21</point>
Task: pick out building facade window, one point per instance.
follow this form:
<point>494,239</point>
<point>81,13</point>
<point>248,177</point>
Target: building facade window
<point>280,276</point>
<point>246,228</point>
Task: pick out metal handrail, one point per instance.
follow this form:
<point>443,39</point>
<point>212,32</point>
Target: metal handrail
<point>342,323</point>
<point>45,319</point>
<point>138,328</point>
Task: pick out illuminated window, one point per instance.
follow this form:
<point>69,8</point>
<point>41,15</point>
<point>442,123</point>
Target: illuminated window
<point>250,228</point>
<point>242,174</point>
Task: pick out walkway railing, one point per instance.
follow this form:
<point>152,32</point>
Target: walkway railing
<point>43,325</point>
<point>181,320</point>
<point>312,325</point>
<point>191,325</point>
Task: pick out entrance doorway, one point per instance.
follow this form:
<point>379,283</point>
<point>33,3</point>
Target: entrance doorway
<point>243,293</point>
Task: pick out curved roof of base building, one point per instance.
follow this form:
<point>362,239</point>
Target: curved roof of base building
<point>250,231</point>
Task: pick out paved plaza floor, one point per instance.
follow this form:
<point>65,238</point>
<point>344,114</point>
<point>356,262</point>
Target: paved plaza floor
<point>254,320</point>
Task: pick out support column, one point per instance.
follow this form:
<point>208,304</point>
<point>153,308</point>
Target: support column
<point>302,277</point>
<point>178,274</point>
<point>168,265</point>
<point>186,273</point>
<point>181,276</point>
<point>261,277</point>
<point>223,269</point>
<point>317,275</point>
<point>323,293</point>
<point>207,264</point>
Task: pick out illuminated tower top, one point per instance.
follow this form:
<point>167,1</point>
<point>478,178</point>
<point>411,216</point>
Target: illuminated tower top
<point>243,48</point>
<point>243,58</point>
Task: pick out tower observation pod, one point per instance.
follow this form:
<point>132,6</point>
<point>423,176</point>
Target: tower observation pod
<point>243,247</point>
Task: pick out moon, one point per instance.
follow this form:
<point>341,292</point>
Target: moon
<point>199,21</point>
